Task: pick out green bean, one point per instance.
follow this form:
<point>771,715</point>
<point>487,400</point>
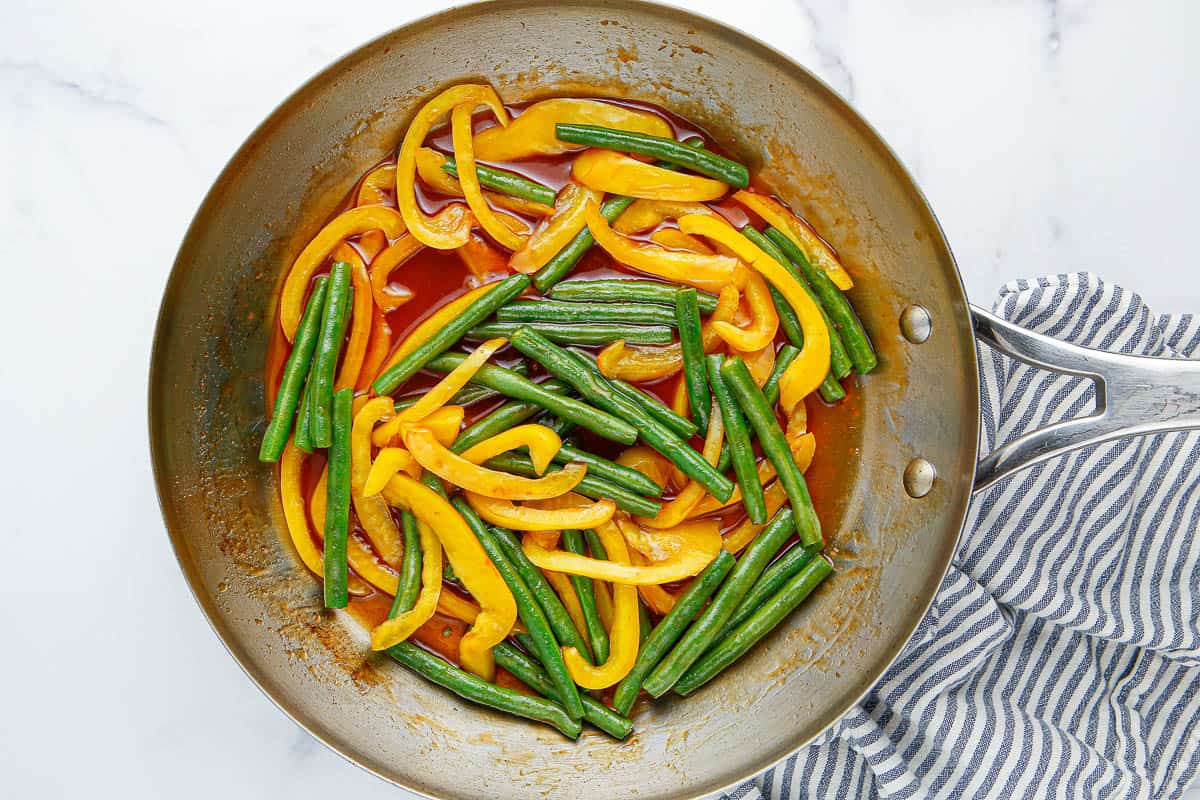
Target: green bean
<point>783,359</point>
<point>691,342</point>
<point>726,457</point>
<point>600,467</point>
<point>701,634</point>
<point>565,260</point>
<point>674,152</point>
<point>556,614</point>
<point>303,435</point>
<point>645,624</point>
<point>560,426</point>
<point>595,545</point>
<point>650,404</point>
<point>572,541</point>
<point>534,619</point>
<point>591,486</point>
<point>444,339</point>
<point>410,567</point>
<point>507,182</point>
<point>508,415</point>
<point>471,393</point>
<point>337,501</point>
<point>831,389</point>
<point>528,672</point>
<point>670,628</point>
<point>762,622</point>
<point>595,389</point>
<point>563,312</point>
<point>572,333</point>
<point>835,304</point>
<point>470,687</point>
<point>737,434</point>
<point>518,387</point>
<point>295,371</point>
<point>768,583</point>
<point>448,573</point>
<point>620,290</point>
<point>334,318</point>
<point>766,426</point>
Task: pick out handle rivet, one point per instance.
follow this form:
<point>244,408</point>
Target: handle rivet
<point>915,324</point>
<point>919,476</point>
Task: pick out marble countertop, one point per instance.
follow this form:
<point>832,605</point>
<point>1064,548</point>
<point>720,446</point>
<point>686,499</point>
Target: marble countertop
<point>1049,136</point>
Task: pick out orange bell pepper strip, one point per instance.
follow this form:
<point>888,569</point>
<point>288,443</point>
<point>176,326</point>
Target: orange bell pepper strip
<point>709,272</point>
<point>803,447</point>
<point>543,444</point>
<point>710,504</point>
<point>649,462</point>
<point>360,318</point>
<point>468,179</point>
<point>676,239</point>
<point>819,253</point>
<point>744,533</point>
<point>376,186</point>
<point>400,627</point>
<point>764,319</point>
<point>701,540</point>
<point>434,323</point>
<point>377,351</point>
<point>498,609</point>
<point>616,173</point>
<point>372,512</point>
<point>657,598</point>
<point>382,267</point>
<point>387,463</point>
<point>446,388</point>
<point>483,260</point>
<point>360,555</point>
<point>809,368</point>
<point>456,606</point>
<point>532,132</point>
<point>623,632</point>
<point>643,215</point>
<point>759,362</point>
<point>429,168</point>
<point>451,226</point>
<point>371,244</point>
<point>343,226</point>
<point>570,600</point>
<point>678,509</point>
<point>296,516</point>
<point>483,481</point>
<point>531,518</point>
<point>554,234</point>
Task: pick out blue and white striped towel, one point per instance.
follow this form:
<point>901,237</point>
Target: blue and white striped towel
<point>1061,657</point>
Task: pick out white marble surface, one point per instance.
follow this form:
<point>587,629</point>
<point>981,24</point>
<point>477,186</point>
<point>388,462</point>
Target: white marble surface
<point>1049,136</point>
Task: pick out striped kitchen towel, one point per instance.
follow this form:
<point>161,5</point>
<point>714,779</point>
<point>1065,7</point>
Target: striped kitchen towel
<point>1061,657</point>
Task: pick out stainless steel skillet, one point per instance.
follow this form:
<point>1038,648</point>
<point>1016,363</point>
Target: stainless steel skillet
<point>910,455</point>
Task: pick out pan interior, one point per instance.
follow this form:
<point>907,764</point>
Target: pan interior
<point>221,505</point>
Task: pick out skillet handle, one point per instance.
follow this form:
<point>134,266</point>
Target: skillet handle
<point>1135,396</point>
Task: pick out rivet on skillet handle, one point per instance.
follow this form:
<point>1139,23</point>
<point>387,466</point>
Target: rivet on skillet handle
<point>1135,396</point>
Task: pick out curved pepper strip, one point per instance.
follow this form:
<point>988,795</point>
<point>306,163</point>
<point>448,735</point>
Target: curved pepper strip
<point>434,323</point>
<point>624,632</point>
<point>451,226</point>
<point>360,555</point>
<point>744,533</point>
<point>803,449</point>
<point>811,366</point>
<point>701,542</point>
<point>382,267</point>
<point>445,424</point>
<point>710,504</point>
<point>764,321</point>
<point>554,234</point>
<point>372,512</point>
<point>819,253</point>
<point>651,463</point>
<point>454,468</point>
<point>376,186</point>
<point>702,271</point>
<point>468,179</point>
<point>532,132</point>
<point>429,169</point>
<point>678,240</point>
<point>457,607</point>
<point>343,226</point>
<point>657,598</point>
<point>446,388</point>
<point>543,444</point>
<point>484,261</point>
<point>570,600</point>
<point>759,362</point>
<point>400,627</point>
<point>378,347</point>
<point>604,603</point>
<point>616,173</point>
<point>387,463</point>
<point>297,517</point>
<point>530,518</point>
<point>677,510</point>
<point>498,609</point>
<point>646,214</point>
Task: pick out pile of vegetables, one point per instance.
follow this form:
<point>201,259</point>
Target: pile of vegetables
<point>589,578</point>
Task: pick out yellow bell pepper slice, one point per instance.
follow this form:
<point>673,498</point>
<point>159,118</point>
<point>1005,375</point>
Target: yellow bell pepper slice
<point>457,607</point>
<point>387,463</point>
<point>554,234</point>
<point>543,444</point>
<point>710,504</point>
<point>709,272</point>
<point>429,168</point>
<point>676,239</point>
<point>434,323</point>
<point>437,396</point>
<point>624,630</point>
<point>382,267</point>
<point>744,533</point>
<point>360,555</point>
<point>701,540</point>
<point>532,132</point>
<point>760,362</point>
<point>566,592</point>
<point>643,214</point>
<point>811,366</point>
<point>488,482</point>
<point>400,627</point>
<point>468,179</point>
<point>764,320</point>
<point>657,598</point>
<point>376,186</point>
<point>649,462</point>
<point>451,226</point>
<point>677,510</point>
<point>604,603</point>
<point>343,226</point>
<point>498,609</point>
<point>378,347</point>
<point>531,518</point>
<point>819,253</point>
<point>616,173</point>
<point>804,447</point>
<point>445,424</point>
<point>296,517</point>
<point>484,260</point>
<point>372,512</point>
